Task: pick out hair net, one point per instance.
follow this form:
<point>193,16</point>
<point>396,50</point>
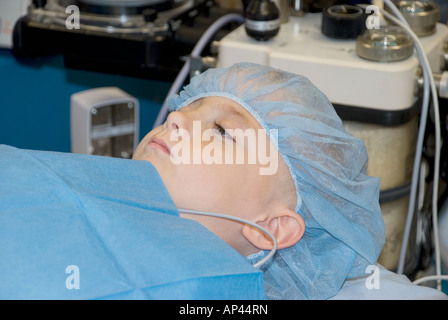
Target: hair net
<point>338,201</point>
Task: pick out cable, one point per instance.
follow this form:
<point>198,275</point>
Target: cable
<point>417,160</point>
<point>226,216</point>
<point>428,76</point>
<point>420,138</point>
<point>429,83</point>
<point>430,278</point>
<point>198,48</point>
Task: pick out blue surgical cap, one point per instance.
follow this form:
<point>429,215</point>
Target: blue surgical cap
<point>338,201</point>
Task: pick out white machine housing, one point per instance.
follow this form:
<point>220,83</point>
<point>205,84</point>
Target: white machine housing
<point>104,121</point>
<point>333,65</point>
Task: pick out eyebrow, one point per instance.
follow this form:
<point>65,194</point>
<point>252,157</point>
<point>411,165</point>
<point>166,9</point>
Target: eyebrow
<point>236,115</point>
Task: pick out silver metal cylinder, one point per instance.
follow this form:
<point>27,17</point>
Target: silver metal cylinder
<point>421,16</point>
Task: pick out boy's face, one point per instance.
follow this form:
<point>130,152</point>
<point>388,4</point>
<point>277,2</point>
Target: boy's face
<point>209,165</point>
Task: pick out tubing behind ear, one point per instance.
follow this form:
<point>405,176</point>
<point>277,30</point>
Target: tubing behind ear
<point>225,216</point>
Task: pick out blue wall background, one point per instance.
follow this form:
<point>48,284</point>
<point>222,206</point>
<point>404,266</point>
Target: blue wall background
<point>35,100</point>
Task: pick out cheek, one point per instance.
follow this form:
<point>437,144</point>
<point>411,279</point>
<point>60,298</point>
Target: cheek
<point>201,187</point>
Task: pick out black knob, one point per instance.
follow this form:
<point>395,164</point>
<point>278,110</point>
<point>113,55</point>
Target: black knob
<point>262,20</point>
<point>39,3</point>
<point>343,21</point>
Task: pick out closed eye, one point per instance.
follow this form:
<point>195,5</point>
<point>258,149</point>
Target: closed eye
<point>223,132</point>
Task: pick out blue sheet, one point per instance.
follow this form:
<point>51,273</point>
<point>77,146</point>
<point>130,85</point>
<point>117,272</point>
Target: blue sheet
<point>87,227</point>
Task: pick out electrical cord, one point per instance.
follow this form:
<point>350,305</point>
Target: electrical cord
<point>430,278</point>
<point>226,216</point>
<point>198,48</point>
<point>429,88</point>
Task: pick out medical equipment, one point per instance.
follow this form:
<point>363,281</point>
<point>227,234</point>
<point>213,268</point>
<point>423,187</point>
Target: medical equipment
<point>430,87</point>
<point>377,102</point>
<point>421,16</point>
<point>104,121</point>
<point>140,38</point>
<point>387,44</point>
<point>343,21</point>
<point>10,11</point>
<point>262,20</point>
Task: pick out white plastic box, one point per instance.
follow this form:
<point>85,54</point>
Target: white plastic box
<point>104,121</point>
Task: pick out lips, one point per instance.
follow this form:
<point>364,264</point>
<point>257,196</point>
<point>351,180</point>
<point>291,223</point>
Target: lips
<point>158,143</point>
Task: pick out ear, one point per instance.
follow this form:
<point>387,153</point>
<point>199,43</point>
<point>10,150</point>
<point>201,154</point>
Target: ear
<point>287,227</point>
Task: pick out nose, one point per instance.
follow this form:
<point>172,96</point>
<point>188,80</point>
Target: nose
<point>176,120</point>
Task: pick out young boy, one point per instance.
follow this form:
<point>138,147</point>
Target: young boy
<point>316,199</point>
<point>248,141</point>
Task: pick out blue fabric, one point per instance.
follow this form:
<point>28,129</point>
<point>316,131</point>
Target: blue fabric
<point>114,220</point>
<point>338,201</point>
